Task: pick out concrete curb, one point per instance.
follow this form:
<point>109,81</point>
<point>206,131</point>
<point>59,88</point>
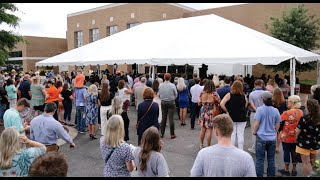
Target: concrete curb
<point>72,132</point>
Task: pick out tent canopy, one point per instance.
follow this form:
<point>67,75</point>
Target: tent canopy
<point>207,39</point>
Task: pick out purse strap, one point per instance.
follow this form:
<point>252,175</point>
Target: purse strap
<point>145,114</point>
<point>107,158</point>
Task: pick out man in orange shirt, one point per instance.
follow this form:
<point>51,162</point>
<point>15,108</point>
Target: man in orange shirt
<point>52,96</point>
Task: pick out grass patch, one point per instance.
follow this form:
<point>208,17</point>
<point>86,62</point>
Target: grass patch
<point>308,82</point>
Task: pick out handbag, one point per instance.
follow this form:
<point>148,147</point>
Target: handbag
<point>137,125</point>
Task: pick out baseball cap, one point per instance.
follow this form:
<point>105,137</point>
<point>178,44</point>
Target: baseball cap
<point>266,95</point>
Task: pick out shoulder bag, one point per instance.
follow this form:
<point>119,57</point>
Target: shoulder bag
<point>107,158</point>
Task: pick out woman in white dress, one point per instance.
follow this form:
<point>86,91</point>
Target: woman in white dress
<point>155,87</point>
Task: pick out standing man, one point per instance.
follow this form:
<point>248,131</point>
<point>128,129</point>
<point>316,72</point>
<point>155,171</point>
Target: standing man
<point>46,130</point>
<point>51,74</point>
<point>12,118</point>
<point>223,159</point>
<point>226,88</point>
<point>167,93</point>
<point>139,92</point>
<point>195,92</point>
<point>81,108</point>
<point>255,101</point>
<point>52,96</point>
<point>265,128</point>
<point>24,87</point>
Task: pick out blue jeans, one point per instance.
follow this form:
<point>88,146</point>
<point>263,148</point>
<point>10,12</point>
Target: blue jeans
<point>194,113</point>
<point>81,118</point>
<point>261,147</point>
<point>3,108</point>
<point>289,149</point>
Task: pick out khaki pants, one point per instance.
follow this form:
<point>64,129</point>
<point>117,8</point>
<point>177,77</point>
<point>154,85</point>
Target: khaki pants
<point>52,148</point>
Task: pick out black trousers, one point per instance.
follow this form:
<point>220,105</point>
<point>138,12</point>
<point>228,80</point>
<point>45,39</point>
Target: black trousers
<point>126,123</point>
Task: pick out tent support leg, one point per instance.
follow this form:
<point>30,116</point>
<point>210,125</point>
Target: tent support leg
<point>153,73</point>
<point>318,72</point>
<point>166,68</point>
<point>292,75</point>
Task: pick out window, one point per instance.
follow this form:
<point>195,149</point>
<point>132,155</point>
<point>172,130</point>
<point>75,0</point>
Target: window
<point>94,34</point>
<point>130,25</point>
<point>78,39</point>
<point>112,30</point>
<point>14,54</point>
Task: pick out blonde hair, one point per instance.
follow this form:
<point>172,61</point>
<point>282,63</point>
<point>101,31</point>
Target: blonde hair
<point>160,80</point>
<point>181,85</point>
<point>215,80</point>
<point>116,105</point>
<point>35,80</point>
<point>9,146</point>
<point>114,131</point>
<point>295,99</point>
<point>93,89</point>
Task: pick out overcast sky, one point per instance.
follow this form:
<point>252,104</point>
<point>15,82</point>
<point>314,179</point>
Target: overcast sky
<point>50,19</point>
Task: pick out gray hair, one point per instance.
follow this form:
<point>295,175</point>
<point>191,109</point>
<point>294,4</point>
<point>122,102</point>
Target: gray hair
<point>295,99</point>
<point>313,88</point>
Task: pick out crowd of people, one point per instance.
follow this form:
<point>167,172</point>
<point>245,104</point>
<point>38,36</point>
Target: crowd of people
<point>34,112</point>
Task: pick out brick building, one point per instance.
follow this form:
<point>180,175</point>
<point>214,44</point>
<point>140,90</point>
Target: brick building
<point>35,49</point>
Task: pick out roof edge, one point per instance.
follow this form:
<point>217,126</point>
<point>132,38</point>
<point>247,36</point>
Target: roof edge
<point>96,9</point>
<point>120,4</point>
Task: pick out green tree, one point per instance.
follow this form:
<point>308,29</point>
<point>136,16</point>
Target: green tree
<point>8,39</point>
<point>298,28</point>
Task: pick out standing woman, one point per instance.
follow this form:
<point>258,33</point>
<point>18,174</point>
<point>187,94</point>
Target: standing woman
<point>287,134</point>
<point>148,113</point>
<point>14,159</point>
<point>155,88</point>
<point>183,100</point>
<point>125,94</point>
<point>207,100</point>
<point>235,103</point>
<point>115,152</point>
<point>308,137</point>
<point>147,158</point>
<point>67,97</point>
<point>105,98</point>
<point>105,79</point>
<point>278,100</point>
<point>11,92</point>
<point>38,95</point>
<point>92,110</point>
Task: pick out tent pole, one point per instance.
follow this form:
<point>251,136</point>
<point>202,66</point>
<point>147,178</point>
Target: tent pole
<point>294,74</point>
<point>291,77</point>
<point>166,68</point>
<point>318,72</point>
<point>153,73</point>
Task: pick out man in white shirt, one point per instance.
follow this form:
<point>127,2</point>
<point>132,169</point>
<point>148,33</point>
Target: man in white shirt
<point>139,92</point>
<point>223,159</point>
<point>195,92</point>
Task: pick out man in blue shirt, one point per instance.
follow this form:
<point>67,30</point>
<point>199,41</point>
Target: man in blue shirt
<point>81,109</point>
<point>226,88</point>
<point>24,87</point>
<point>265,128</point>
<point>46,130</point>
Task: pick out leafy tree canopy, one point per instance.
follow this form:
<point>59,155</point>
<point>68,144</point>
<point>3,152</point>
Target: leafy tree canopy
<point>298,28</point>
<point>8,39</point>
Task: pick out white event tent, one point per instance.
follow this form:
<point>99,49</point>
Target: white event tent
<point>207,39</point>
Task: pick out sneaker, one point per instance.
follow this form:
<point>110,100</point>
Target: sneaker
<point>201,146</point>
<point>252,150</point>
<point>173,136</point>
<point>284,172</point>
<point>294,173</point>
<point>81,132</point>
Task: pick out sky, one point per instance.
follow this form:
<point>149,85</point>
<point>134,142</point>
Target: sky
<point>50,19</point>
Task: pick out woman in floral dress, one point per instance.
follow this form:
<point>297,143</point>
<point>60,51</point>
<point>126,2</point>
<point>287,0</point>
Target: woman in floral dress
<point>92,110</point>
<point>209,99</point>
